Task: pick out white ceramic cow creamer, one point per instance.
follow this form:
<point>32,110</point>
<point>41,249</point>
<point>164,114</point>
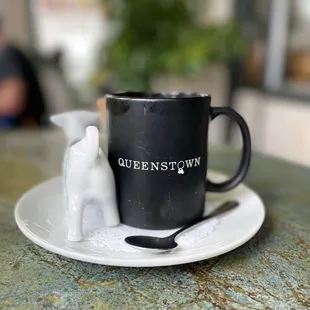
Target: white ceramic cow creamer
<point>89,179</point>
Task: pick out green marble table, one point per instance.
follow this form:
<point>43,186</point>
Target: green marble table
<point>271,271</point>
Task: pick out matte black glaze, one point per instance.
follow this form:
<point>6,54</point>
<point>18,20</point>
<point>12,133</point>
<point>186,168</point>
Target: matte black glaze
<point>151,135</point>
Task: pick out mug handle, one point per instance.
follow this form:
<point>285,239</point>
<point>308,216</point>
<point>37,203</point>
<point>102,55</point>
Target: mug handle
<point>245,156</point>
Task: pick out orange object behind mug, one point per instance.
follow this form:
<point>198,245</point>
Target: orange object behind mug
<point>102,106</point>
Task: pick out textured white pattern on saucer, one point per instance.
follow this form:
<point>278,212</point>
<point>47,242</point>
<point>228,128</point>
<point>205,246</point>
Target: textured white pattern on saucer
<point>39,214</point>
<point>113,238</point>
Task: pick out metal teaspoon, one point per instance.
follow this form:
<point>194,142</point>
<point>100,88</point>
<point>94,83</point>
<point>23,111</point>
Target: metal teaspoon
<point>169,243</point>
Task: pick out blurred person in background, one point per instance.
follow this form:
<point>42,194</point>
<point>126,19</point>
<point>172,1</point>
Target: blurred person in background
<point>22,102</point>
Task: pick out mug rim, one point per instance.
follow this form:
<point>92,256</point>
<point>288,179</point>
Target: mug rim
<point>157,96</point>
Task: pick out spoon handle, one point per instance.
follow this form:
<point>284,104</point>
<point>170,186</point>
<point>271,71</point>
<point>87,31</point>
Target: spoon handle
<point>229,205</point>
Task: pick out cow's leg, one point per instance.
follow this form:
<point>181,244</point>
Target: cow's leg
<point>110,211</point>
<point>76,208</point>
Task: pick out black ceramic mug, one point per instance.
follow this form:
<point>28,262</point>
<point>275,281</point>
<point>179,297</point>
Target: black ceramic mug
<point>158,151</point>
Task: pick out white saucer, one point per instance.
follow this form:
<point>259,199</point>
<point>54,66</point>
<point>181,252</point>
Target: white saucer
<point>39,215</point>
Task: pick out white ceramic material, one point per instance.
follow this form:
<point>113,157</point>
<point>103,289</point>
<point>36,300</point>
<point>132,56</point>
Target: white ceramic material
<point>89,179</point>
<point>74,124</point>
<point>87,176</point>
<point>39,215</point>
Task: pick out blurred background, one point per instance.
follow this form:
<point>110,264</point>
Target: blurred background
<point>254,56</point>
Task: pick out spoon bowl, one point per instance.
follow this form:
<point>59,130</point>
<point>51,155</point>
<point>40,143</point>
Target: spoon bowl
<point>155,244</point>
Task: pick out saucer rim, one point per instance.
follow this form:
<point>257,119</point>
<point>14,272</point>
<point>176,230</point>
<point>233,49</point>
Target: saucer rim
<point>157,259</point>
